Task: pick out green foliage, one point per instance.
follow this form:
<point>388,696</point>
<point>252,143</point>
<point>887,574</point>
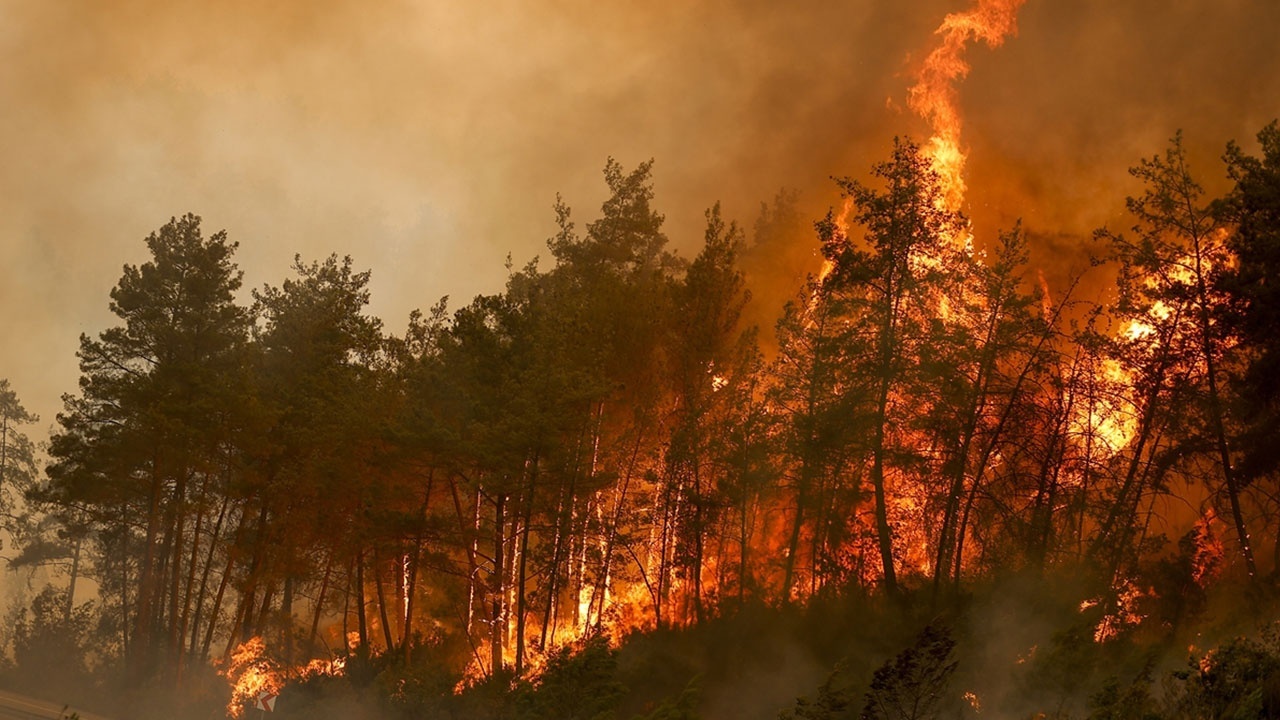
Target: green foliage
<point>578,683</point>
<point>54,649</point>
<point>17,452</point>
<point>33,535</point>
<point>1176,350</point>
<point>683,707</point>
<point>1253,207</point>
<point>161,396</point>
<point>1234,681</point>
<point>1064,666</point>
<point>832,702</point>
<point>1133,702</point>
<point>913,685</point>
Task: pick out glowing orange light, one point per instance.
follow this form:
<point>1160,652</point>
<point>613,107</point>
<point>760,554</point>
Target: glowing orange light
<point>933,97</point>
<point>251,672</point>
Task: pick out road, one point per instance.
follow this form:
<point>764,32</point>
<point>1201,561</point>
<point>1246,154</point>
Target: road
<point>19,707</point>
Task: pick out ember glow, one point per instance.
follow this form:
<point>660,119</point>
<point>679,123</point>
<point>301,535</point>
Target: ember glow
<point>1123,612</point>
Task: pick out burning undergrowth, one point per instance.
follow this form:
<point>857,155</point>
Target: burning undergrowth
<point>1018,645</point>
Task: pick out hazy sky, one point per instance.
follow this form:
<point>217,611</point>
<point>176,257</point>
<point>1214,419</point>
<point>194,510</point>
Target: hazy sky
<point>428,139</point>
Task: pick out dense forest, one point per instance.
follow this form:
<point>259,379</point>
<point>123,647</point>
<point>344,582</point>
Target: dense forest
<point>539,503</point>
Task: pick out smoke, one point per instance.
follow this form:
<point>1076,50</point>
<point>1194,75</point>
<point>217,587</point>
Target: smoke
<point>428,140</point>
<point>1087,89</point>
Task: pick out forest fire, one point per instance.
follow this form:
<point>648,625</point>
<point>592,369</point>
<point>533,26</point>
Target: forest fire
<point>1125,611</point>
<point>252,672</point>
<point>603,464</point>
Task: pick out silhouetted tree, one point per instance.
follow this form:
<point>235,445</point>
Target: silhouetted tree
<point>1169,302</point>
<point>888,293</point>
<point>912,686</point>
<point>157,398</point>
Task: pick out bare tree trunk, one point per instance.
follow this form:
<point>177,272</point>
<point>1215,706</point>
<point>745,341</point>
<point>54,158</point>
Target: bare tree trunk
<point>204,573</point>
<point>527,499</point>
<point>997,433</point>
<point>286,618</point>
<point>125,639</point>
<point>793,538</point>
<point>362,620</point>
<point>698,548</point>
<point>222,587</point>
<point>469,526</point>
<point>411,569</point>
<point>1106,535</point>
<point>553,579</point>
<point>175,554</point>
<point>264,612</point>
<point>319,608</point>
<point>1219,426</point>
<point>959,465</point>
<point>144,620</point>
<point>497,629</point>
<point>382,604</point>
<point>71,584</point>
<point>884,533</point>
<point>601,589</point>
<point>181,626</point>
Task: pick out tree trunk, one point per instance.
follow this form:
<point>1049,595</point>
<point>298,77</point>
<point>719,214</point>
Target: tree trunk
<point>959,464</point>
<point>980,468</point>
<point>319,608</point>
<point>884,533</point>
<point>204,574</point>
<point>1219,426</point>
<point>793,538</point>
<point>141,643</point>
<point>71,584</point>
<point>174,553</point>
<point>601,589</point>
<point>264,612</point>
<point>222,587</point>
<point>527,499</point>
<point>362,620</point>
<point>411,579</point>
<point>698,530</point>
<point>382,604</point>
<point>286,618</point>
<point>1106,535</point>
<point>497,590</point>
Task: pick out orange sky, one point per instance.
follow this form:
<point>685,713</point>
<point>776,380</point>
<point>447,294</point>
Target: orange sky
<point>428,139</point>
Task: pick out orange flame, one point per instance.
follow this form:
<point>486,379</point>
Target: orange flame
<point>251,671</point>
<point>1206,563</point>
<point>1126,612</point>
<point>933,97</point>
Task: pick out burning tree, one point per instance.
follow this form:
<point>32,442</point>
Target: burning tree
<point>601,447</point>
<point>1174,345</point>
<point>885,298</point>
<point>1252,212</point>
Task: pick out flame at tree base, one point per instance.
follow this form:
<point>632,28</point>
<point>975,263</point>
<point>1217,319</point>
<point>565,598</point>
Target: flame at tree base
<point>251,670</point>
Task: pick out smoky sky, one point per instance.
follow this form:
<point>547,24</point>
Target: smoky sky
<point>428,139</point>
